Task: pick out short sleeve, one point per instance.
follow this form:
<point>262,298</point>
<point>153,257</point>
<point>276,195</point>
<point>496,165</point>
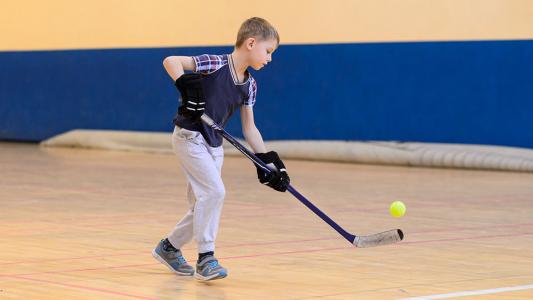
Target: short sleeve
<point>252,93</point>
<point>207,63</point>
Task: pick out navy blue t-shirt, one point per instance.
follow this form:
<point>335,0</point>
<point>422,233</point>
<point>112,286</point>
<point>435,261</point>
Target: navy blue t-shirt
<point>223,94</point>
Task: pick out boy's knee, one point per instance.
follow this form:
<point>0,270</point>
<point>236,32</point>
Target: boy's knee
<point>216,193</point>
<point>220,193</point>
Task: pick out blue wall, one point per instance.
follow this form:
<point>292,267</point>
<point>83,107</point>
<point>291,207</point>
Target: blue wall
<point>457,92</point>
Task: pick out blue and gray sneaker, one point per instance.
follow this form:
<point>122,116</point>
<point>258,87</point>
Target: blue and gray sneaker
<point>173,260</point>
<point>209,269</point>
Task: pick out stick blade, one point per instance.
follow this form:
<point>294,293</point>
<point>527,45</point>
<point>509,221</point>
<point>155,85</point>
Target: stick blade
<point>379,239</point>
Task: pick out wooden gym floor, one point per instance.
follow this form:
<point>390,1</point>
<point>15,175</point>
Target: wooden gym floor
<point>80,224</point>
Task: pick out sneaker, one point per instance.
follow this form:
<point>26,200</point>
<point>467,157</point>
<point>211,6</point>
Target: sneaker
<point>209,269</point>
<point>173,260</point>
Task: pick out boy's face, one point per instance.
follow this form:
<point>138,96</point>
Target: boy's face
<point>260,52</point>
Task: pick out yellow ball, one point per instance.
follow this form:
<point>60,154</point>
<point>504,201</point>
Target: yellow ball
<point>397,209</point>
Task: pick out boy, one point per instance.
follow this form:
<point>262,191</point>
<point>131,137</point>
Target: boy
<point>219,85</point>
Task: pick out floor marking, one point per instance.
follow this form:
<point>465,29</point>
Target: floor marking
<point>86,288</point>
<point>473,293</point>
<point>276,254</point>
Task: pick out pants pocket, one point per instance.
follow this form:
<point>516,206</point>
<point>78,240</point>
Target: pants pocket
<point>189,135</point>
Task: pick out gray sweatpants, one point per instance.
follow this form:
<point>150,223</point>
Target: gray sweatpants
<point>205,190</point>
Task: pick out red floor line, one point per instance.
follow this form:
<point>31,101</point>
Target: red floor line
<point>404,243</point>
<point>81,287</point>
<point>81,270</point>
<point>464,238</point>
<point>136,252</point>
<point>130,252</point>
<point>454,229</point>
<point>289,210</point>
<point>285,252</point>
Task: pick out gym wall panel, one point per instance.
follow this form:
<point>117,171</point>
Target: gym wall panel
<point>461,92</point>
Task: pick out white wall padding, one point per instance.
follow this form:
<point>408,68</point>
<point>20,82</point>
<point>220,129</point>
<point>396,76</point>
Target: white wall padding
<point>388,153</point>
<point>410,154</point>
<point>152,142</point>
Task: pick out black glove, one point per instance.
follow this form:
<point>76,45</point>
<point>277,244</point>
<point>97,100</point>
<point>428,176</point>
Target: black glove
<point>192,95</point>
<point>276,179</point>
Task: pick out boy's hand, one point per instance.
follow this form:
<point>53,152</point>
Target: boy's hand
<point>276,179</point>
<point>192,95</point>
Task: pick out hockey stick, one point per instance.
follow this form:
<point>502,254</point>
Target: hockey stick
<point>378,239</point>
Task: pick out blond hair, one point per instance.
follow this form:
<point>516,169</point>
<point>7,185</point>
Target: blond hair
<point>256,28</point>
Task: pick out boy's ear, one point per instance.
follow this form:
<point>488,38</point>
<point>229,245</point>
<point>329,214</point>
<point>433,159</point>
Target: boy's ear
<point>250,43</point>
